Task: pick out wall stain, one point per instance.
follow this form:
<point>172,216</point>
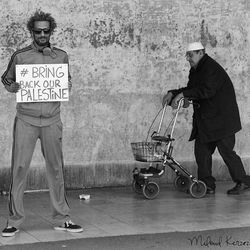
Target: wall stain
<point>107,32</point>
<point>69,36</point>
<point>6,52</point>
<point>229,39</point>
<point>15,35</point>
<point>206,37</point>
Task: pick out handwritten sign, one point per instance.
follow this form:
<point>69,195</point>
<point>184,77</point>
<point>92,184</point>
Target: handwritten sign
<point>42,82</point>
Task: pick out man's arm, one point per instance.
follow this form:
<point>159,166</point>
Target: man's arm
<point>213,80</point>
<point>170,96</point>
<point>9,77</point>
<point>66,60</point>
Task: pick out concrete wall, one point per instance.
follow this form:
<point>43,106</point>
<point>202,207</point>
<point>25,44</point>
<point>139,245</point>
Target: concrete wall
<point>124,55</point>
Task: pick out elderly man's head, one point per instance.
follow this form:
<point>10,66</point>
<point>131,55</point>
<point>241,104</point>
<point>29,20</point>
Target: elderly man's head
<point>195,51</point>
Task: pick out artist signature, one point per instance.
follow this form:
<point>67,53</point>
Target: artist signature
<point>221,241</point>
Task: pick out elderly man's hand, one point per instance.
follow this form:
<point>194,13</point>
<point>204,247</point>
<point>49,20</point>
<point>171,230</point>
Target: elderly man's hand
<point>167,99</point>
<point>13,87</point>
<point>176,100</point>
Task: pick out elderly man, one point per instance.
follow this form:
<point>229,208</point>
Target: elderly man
<point>216,117</point>
<point>37,120</point>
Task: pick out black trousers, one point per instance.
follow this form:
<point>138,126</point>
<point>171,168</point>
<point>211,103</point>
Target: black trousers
<point>203,155</point>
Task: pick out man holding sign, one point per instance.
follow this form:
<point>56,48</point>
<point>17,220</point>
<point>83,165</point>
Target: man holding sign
<point>38,74</point>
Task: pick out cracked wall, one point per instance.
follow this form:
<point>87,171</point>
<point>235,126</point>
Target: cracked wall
<point>124,55</point>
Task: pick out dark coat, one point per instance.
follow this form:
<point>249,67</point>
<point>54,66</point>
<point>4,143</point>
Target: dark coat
<point>216,114</point>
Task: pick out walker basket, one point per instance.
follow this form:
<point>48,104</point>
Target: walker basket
<point>146,151</point>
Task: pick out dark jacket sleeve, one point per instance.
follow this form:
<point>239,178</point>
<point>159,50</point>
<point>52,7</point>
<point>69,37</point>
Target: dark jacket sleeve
<point>175,92</point>
<point>9,75</point>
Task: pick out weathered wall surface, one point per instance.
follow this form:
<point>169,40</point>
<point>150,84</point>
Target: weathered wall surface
<point>124,55</point>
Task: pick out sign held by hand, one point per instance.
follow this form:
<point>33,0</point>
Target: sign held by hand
<point>42,82</point>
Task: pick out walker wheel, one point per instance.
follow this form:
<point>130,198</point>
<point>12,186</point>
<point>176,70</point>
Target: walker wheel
<point>137,187</point>
<point>150,190</point>
<point>198,189</point>
<point>181,183</point>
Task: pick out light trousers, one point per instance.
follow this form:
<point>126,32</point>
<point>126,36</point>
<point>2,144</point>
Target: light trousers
<point>25,137</point>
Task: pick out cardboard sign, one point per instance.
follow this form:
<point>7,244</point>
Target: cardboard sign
<point>42,82</point>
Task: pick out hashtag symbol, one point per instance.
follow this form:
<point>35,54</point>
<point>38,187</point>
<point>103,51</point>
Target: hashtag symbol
<point>24,72</point>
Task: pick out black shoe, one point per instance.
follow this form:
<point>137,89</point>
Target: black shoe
<point>238,189</point>
<point>210,190</point>
<point>9,231</point>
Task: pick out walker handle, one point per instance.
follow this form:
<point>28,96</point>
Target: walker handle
<point>162,117</point>
<point>180,104</point>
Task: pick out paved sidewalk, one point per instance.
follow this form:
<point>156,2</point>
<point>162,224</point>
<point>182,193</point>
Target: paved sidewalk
<point>120,211</point>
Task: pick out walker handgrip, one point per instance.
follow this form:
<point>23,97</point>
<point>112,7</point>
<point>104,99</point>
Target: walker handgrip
<point>184,103</point>
<point>180,103</point>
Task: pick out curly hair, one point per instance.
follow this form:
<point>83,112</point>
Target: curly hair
<point>41,16</point>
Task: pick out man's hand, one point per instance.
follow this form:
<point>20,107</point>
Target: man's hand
<point>176,100</point>
<point>69,85</point>
<point>167,99</point>
<point>13,87</point>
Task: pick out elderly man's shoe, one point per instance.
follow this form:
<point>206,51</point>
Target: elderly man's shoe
<point>210,190</point>
<point>239,188</point>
